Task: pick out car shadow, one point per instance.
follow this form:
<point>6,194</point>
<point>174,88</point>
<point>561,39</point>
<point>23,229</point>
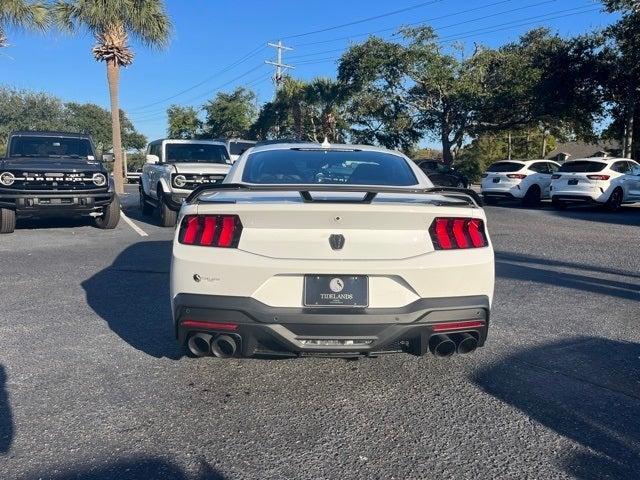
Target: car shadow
<point>6,417</point>
<point>585,389</point>
<point>132,296</point>
<point>624,216</point>
<point>138,468</point>
<point>521,267</point>
<point>52,222</point>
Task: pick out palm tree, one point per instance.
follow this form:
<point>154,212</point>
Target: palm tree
<point>22,14</point>
<point>112,22</point>
<point>327,99</point>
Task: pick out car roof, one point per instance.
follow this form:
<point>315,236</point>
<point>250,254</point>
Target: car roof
<point>50,133</point>
<point>317,146</point>
<point>607,160</point>
<point>194,140</point>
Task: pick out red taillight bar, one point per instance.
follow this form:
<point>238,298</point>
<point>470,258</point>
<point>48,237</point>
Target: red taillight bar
<point>453,233</point>
<point>451,326</point>
<point>519,176</point>
<point>209,325</point>
<point>598,177</point>
<point>211,230</point>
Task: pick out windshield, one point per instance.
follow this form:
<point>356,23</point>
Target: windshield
<point>196,153</point>
<point>46,146</point>
<point>582,166</point>
<point>505,167</point>
<point>328,167</point>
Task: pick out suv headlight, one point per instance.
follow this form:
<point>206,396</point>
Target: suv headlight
<point>179,181</point>
<point>7,179</point>
<point>99,179</point>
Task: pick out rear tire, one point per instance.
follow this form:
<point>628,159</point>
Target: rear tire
<point>168,217</point>
<point>533,197</point>
<point>558,204</point>
<point>615,200</point>
<point>7,220</point>
<point>110,216</point>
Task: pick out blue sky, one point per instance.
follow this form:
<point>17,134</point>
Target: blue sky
<point>212,35</point>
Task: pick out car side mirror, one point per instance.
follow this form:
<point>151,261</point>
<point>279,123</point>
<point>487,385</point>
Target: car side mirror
<point>153,159</point>
<point>107,157</point>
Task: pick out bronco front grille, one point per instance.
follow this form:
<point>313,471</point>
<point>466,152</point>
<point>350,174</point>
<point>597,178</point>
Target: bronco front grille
<point>75,181</point>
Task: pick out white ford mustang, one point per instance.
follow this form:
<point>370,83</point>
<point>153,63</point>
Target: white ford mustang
<point>333,250</point>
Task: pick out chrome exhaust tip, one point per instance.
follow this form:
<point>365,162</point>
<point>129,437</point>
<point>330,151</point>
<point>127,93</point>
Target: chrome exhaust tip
<point>465,342</point>
<point>199,344</point>
<point>442,346</point>
<point>224,346</point>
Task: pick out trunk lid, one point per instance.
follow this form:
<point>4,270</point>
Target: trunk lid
<point>281,225</point>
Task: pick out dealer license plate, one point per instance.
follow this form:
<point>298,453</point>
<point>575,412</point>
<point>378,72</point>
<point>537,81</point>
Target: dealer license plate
<point>336,291</point>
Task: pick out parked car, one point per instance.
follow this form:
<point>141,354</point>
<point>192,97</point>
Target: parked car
<point>57,175</point>
<point>237,146</point>
<point>330,249</point>
<point>600,181</point>
<point>443,175</point>
<point>174,168</point>
<point>524,180</point>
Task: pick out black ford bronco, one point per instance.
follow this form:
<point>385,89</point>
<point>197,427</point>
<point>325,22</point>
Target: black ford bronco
<point>55,174</point>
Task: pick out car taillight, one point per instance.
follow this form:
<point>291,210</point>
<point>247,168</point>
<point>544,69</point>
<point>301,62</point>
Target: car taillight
<point>211,230</point>
<point>598,177</point>
<point>453,233</point>
<point>555,176</point>
<point>519,176</point>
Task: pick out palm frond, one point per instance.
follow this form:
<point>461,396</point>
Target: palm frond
<point>24,14</point>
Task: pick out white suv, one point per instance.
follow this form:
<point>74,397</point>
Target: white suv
<point>605,181</point>
<point>174,168</point>
<point>524,180</point>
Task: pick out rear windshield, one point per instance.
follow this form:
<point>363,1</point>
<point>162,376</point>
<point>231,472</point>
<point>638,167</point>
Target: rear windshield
<point>238,148</point>
<point>196,153</point>
<point>505,167</point>
<point>53,147</point>
<point>328,167</point>
<point>582,166</point>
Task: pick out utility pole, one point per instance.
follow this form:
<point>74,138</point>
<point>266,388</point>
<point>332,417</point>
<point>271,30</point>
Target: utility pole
<point>280,67</point>
<point>509,147</point>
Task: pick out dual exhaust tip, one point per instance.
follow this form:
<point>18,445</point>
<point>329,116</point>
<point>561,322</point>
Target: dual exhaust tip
<point>442,345</point>
<point>221,346</point>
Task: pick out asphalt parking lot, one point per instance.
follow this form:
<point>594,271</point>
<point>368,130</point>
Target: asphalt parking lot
<point>93,385</point>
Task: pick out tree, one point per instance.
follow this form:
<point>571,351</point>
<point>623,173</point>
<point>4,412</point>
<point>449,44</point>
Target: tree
<point>111,22</point>
<point>183,122</point>
<point>22,14</point>
<point>230,115</point>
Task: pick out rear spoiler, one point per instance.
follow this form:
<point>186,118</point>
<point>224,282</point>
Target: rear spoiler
<point>305,190</point>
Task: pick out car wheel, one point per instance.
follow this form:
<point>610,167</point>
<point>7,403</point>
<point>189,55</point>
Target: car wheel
<point>558,204</point>
<point>168,217</point>
<point>144,204</point>
<point>7,220</point>
<point>533,196</point>
<point>615,200</point>
<point>110,215</point>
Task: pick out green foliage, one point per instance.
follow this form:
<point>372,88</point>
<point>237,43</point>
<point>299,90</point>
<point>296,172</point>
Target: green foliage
<point>22,14</point>
<point>230,115</point>
<point>24,110</point>
<point>145,20</point>
<point>183,122</point>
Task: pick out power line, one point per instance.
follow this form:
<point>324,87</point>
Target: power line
<point>368,19</point>
<point>469,33</point>
<point>364,34</point>
<point>280,67</point>
<point>208,79</point>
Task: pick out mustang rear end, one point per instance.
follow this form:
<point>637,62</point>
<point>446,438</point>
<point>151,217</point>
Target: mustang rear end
<point>331,270</point>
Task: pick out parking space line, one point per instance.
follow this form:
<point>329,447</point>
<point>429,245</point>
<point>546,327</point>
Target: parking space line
<point>135,228</point>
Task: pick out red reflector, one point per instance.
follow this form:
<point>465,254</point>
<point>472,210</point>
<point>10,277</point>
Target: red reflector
<point>442,233</point>
<point>476,232</point>
<point>209,231</point>
<point>446,327</point>
<point>208,325</point>
<point>191,232</point>
<point>458,233</point>
<point>519,176</point>
<point>228,227</point>
<point>598,177</point>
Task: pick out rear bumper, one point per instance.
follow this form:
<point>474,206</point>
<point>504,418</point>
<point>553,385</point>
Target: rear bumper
<point>42,203</point>
<point>287,331</point>
<point>575,198</point>
<point>503,192</point>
